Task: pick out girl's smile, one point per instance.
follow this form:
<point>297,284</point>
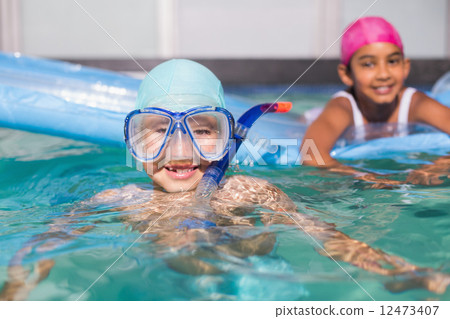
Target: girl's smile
<point>383,90</point>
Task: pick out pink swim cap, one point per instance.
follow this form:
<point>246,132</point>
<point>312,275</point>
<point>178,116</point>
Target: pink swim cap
<point>365,31</point>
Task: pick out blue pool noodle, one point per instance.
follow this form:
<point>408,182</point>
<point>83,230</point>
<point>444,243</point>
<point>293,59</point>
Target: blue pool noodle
<point>73,101</point>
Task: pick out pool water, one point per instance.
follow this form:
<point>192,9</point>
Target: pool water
<point>43,178</point>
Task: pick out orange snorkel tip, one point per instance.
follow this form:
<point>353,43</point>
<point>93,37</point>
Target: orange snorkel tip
<point>278,107</point>
<point>283,107</point>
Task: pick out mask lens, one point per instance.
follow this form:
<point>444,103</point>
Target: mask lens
<point>210,132</point>
<point>147,135</point>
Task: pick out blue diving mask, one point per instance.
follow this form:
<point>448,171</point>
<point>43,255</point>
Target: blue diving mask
<point>207,130</point>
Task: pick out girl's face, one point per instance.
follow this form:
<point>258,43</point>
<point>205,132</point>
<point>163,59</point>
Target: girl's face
<point>378,71</point>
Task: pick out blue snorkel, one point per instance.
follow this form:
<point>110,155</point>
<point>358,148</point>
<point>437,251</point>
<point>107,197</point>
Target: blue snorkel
<point>215,172</point>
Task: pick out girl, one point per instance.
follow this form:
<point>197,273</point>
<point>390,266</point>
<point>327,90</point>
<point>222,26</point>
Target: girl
<point>374,69</point>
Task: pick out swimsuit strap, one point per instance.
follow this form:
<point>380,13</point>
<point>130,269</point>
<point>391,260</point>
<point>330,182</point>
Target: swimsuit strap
<point>357,116</point>
<point>403,112</point>
<point>405,103</point>
<point>358,121</point>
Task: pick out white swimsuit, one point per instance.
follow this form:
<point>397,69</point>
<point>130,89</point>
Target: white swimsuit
<point>358,121</point>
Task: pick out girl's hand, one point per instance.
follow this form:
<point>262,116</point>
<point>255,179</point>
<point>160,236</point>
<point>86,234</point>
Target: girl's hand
<point>379,183</point>
<point>432,174</point>
<point>426,177</point>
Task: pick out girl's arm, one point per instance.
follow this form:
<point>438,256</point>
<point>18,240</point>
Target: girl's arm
<point>325,131</point>
<point>427,110</point>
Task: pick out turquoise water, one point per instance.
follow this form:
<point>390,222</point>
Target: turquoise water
<point>44,178</point>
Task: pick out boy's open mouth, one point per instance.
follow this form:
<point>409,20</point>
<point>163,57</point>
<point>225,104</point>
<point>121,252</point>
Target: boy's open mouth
<point>181,171</point>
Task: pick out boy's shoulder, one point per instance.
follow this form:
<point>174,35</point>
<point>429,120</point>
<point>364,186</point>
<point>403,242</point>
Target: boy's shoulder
<point>249,190</point>
<point>131,192</point>
<point>244,181</point>
<point>242,185</point>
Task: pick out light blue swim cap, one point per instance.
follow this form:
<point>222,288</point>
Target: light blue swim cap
<point>178,85</point>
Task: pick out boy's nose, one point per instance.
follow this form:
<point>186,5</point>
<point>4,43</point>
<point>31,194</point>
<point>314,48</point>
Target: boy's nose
<point>179,146</point>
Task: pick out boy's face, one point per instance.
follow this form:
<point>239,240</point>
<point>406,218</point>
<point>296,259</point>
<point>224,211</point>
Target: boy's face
<point>378,71</point>
<point>180,168</point>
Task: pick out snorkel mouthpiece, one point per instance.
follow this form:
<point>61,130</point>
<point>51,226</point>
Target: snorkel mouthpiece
<point>215,172</point>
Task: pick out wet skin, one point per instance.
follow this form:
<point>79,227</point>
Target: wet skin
<point>214,234</point>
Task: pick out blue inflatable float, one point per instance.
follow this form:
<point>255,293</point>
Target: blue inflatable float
<point>73,101</point>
